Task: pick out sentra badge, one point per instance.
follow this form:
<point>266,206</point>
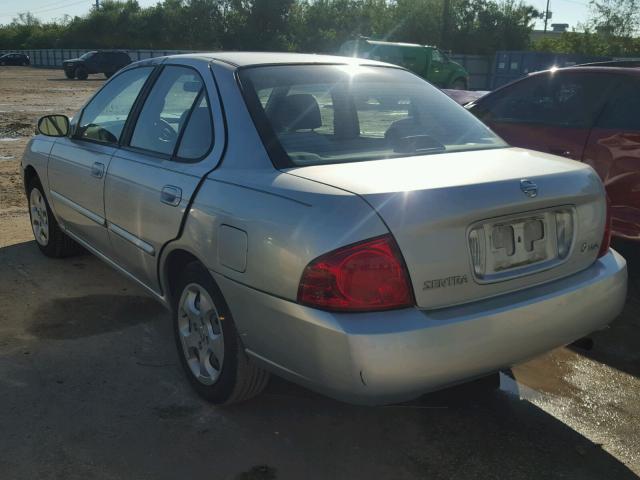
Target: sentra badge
<point>452,281</point>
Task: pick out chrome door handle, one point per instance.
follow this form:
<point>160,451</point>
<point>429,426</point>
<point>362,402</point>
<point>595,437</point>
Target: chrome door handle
<point>97,170</point>
<point>171,195</point>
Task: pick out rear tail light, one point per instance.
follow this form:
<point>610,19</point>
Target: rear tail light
<point>365,276</point>
<point>606,238</point>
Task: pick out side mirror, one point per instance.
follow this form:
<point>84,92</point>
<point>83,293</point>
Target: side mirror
<point>54,125</point>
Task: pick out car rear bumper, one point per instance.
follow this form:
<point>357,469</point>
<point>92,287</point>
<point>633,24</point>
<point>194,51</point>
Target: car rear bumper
<point>384,357</point>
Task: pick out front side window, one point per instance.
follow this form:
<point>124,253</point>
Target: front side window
<point>340,113</point>
<point>104,117</point>
<point>166,110</point>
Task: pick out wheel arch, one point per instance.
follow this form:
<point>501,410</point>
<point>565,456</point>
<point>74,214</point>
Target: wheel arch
<point>458,76</point>
<point>174,259</point>
<point>28,175</point>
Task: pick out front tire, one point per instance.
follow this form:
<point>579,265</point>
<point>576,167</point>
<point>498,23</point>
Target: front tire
<point>81,73</point>
<point>51,240</point>
<point>70,74</point>
<point>208,343</point>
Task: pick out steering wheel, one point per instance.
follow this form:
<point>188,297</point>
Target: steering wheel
<point>166,133</point>
<point>97,132</point>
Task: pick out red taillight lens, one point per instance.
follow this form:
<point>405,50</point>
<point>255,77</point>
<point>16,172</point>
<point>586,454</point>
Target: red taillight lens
<point>606,238</point>
<point>362,277</point>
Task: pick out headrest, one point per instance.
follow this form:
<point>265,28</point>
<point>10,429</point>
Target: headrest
<point>296,112</point>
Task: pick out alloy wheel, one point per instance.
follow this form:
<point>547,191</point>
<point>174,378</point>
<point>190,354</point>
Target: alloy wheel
<point>39,217</point>
<point>200,332</point>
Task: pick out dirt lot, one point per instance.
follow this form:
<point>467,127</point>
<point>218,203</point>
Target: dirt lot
<point>90,385</point>
<point>25,95</point>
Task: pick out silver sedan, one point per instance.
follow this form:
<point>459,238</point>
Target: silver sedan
<point>338,222</point>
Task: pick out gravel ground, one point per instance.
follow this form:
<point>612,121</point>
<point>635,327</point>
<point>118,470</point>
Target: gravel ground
<point>91,387</point>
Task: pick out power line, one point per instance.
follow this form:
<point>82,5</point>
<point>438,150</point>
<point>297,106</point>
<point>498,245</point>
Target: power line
<point>47,9</point>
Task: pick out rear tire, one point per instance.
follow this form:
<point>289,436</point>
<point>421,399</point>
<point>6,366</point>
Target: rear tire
<point>459,84</point>
<point>81,73</point>
<point>51,240</point>
<point>208,343</point>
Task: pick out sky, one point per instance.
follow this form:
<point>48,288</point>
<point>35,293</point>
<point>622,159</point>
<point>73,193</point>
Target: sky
<point>50,9</point>
<point>564,11</point>
<point>572,12</point>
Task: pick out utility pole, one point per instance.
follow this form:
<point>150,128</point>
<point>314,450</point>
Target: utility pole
<point>446,24</point>
<point>546,16</point>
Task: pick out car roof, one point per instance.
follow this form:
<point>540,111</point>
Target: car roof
<point>245,59</point>
<point>594,68</point>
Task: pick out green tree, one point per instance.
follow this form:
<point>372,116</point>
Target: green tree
<point>616,18</point>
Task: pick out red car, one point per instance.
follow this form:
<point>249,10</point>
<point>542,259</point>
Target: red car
<point>587,113</point>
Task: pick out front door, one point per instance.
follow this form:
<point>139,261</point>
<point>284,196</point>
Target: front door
<point>151,180</point>
<point>78,165</point>
<point>438,69</point>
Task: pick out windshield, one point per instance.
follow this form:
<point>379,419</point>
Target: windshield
<point>345,113</point>
<point>87,55</point>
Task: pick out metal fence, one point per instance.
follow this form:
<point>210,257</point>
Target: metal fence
<point>53,57</point>
<point>478,66</point>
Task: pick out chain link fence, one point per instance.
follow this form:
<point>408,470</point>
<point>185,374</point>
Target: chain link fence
<point>478,66</point>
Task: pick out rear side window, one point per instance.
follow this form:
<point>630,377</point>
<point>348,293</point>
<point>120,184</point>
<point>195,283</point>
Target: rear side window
<point>569,100</point>
<point>198,133</point>
<point>104,117</point>
<point>622,111</point>
<point>166,109</point>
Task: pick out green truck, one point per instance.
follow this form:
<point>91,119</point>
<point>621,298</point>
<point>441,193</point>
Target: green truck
<point>428,62</point>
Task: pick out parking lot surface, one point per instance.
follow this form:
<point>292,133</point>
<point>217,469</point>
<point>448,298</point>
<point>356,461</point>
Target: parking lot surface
<point>91,386</point>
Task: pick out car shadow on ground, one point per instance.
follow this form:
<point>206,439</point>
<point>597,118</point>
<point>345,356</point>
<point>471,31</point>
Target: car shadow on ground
<point>65,79</point>
<point>111,398</point>
<point>619,345</point>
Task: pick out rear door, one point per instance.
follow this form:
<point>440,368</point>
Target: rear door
<point>613,150</point>
<point>77,165</point>
<point>550,112</point>
<point>151,180</point>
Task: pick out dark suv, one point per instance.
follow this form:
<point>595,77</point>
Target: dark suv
<point>106,61</point>
<point>14,59</point>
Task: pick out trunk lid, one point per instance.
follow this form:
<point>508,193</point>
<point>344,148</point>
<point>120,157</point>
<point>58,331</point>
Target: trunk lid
<point>465,225</point>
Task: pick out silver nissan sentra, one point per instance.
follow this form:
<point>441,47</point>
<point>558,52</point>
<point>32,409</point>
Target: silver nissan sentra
<point>338,222</point>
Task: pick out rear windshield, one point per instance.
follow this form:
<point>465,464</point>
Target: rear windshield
<point>317,114</point>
